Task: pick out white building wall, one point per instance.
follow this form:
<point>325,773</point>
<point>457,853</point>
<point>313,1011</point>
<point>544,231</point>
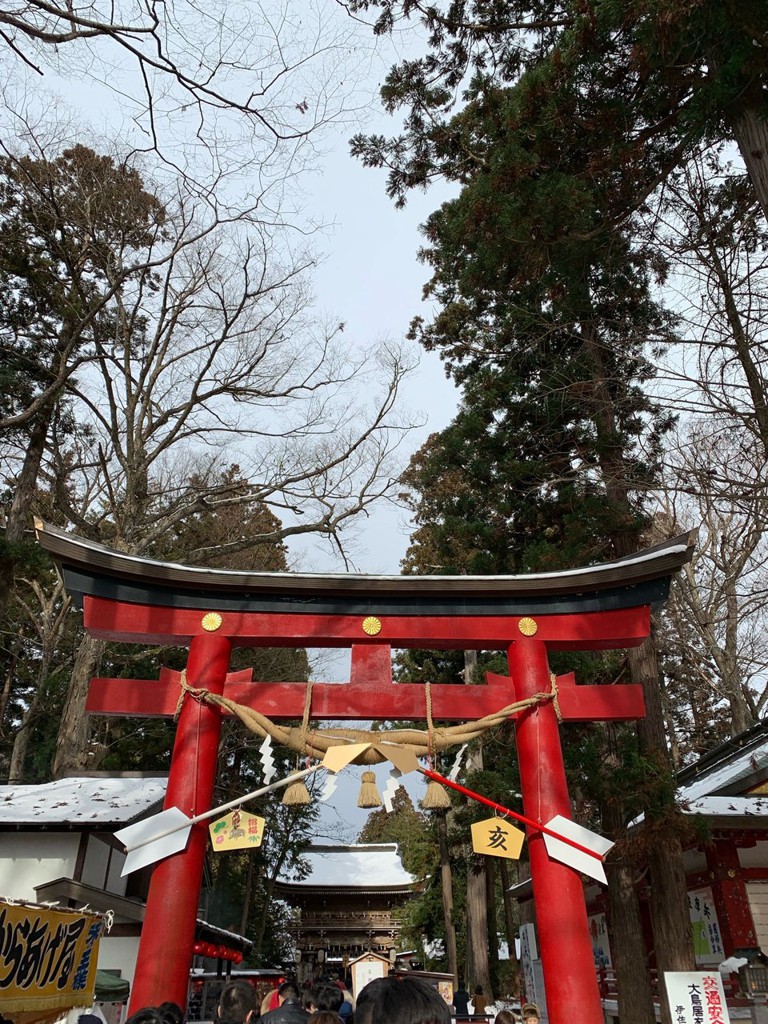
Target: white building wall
<point>754,856</point>
<point>30,859</point>
<point>757,893</point>
<point>119,954</point>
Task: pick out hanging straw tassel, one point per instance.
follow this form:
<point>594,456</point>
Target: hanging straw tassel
<point>369,794</point>
<point>435,798</point>
<point>296,794</point>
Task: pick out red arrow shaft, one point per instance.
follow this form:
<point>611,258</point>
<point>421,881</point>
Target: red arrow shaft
<point>506,811</point>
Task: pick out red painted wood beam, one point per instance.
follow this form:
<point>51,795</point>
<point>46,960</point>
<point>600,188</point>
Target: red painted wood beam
<point>153,624</point>
<point>143,698</point>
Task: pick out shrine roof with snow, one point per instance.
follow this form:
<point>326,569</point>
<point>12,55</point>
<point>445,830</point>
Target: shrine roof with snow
<point>359,866</point>
<point>724,782</point>
<point>77,803</point>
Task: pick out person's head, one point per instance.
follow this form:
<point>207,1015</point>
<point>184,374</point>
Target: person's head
<point>461,983</point>
<point>530,1013</point>
<point>328,997</point>
<point>406,1001</point>
<point>288,990</point>
<point>505,1017</point>
<point>171,1012</point>
<point>324,1017</point>
<point>237,1002</point>
<point>147,1015</point>
<point>478,990</point>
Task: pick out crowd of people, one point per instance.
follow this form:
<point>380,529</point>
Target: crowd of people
<point>382,1001</point>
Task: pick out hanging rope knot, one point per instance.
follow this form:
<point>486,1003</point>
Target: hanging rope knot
<point>554,695</point>
<point>198,693</point>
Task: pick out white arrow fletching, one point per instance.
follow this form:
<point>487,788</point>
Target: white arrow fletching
<point>588,864</point>
<point>154,838</point>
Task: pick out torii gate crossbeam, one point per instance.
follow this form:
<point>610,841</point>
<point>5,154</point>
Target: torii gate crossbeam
<point>129,599</point>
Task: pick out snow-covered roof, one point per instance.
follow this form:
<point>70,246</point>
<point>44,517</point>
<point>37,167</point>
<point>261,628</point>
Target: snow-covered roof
<point>727,773</point>
<point>364,865</point>
<point>79,801</point>
<point>729,806</point>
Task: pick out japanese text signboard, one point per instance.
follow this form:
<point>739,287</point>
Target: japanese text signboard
<point>696,997</point>
<point>707,941</point>
<point>47,958</point>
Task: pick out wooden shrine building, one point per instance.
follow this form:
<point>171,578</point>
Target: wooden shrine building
<point>348,903</point>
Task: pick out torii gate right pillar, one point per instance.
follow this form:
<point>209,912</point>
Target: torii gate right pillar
<point>566,949</point>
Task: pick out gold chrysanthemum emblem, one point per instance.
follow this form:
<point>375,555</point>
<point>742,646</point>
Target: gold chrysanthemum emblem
<point>211,622</point>
<point>371,625</point>
<point>527,626</point>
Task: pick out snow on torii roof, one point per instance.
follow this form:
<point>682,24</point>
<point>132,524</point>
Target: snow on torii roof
<point>82,802</point>
<point>362,865</point>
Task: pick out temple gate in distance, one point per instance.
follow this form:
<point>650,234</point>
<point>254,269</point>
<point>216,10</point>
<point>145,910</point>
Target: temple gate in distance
<point>133,600</point>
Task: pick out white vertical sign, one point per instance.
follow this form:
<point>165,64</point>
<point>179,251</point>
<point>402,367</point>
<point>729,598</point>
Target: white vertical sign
<point>696,997</point>
<point>707,941</point>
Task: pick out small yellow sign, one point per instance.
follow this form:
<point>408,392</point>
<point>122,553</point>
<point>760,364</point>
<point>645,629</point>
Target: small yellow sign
<point>495,837</point>
<point>237,830</point>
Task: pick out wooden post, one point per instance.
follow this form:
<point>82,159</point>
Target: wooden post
<point>168,931</point>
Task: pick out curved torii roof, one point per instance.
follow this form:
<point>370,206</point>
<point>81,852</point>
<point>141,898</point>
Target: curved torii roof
<point>92,569</point>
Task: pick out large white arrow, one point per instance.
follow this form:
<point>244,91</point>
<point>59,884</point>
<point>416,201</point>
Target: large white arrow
<point>565,841</point>
<point>168,832</point>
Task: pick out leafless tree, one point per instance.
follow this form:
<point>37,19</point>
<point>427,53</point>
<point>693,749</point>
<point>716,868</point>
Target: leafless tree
<point>720,597</point>
<point>710,234</point>
<point>212,88</point>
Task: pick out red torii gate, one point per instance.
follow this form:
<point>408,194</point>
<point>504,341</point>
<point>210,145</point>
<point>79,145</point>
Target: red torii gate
<point>130,599</point>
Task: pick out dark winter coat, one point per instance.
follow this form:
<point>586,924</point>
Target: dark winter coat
<point>291,1012</point>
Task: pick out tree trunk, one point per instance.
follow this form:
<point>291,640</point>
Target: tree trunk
<point>21,740</point>
<point>493,924</point>
<point>750,130</point>
<point>248,892</point>
<point>72,753</point>
<point>510,928</point>
<point>20,512</point>
<point>447,890</point>
<point>673,938</point>
<point>478,971</point>
<point>630,959</point>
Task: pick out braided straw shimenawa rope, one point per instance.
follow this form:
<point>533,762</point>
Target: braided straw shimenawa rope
<point>314,743</point>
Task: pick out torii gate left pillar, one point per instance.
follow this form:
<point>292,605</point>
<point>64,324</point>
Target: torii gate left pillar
<point>168,932</point>
<point>591,609</point>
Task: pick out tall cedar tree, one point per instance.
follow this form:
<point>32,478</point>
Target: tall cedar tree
<point>545,311</point>
<point>670,77</point>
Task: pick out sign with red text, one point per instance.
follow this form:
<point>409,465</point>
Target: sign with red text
<point>237,830</point>
<point>696,997</point>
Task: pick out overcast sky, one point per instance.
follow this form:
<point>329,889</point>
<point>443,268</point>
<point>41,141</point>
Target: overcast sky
<point>370,277</point>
